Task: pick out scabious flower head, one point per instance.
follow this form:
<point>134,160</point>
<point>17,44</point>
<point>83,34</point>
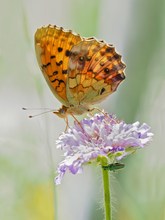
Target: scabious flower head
<point>102,135</point>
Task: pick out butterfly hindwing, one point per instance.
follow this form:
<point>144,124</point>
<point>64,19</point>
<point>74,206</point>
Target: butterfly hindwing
<point>95,70</point>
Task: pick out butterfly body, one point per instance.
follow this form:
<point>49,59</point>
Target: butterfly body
<point>79,71</point>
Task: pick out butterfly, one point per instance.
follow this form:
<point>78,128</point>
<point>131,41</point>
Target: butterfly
<point>79,71</point>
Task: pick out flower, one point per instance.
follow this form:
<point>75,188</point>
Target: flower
<point>101,135</point>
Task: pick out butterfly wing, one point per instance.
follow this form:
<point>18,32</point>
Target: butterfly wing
<point>53,45</point>
<point>95,70</point>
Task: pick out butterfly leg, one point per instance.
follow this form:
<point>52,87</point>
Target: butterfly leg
<point>67,123</point>
<point>76,120</point>
<point>99,110</point>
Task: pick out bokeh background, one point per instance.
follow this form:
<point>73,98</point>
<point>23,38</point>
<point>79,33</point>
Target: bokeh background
<point>28,155</point>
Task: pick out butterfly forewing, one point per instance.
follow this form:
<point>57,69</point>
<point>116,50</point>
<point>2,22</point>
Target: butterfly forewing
<point>53,45</point>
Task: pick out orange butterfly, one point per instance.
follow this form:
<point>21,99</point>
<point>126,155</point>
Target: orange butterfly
<point>79,71</point>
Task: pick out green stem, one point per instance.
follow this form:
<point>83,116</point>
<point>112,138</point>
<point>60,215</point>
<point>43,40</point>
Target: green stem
<point>106,185</point>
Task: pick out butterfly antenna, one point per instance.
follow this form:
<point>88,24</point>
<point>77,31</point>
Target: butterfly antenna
<point>32,116</point>
<point>36,109</point>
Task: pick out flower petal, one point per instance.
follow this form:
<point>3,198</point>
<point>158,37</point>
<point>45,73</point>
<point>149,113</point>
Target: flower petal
<point>100,135</point>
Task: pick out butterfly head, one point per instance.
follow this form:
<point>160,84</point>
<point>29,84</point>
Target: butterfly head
<point>62,112</point>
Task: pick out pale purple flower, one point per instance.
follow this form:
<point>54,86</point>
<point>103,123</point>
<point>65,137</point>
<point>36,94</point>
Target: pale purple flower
<point>100,135</point>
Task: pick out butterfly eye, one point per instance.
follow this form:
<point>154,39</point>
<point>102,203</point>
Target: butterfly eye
<point>106,70</point>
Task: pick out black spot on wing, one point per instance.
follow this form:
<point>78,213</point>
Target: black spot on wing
<point>110,49</point>
<point>88,58</point>
<point>102,91</point>
<point>106,70</point>
<point>46,65</point>
<point>117,56</point>
<point>54,80</point>
<point>59,63</point>
<point>67,53</point>
<point>52,57</point>
<point>64,71</point>
<point>55,73</point>
<point>60,49</point>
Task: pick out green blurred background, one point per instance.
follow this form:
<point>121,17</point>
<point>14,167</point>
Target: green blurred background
<point>28,155</point>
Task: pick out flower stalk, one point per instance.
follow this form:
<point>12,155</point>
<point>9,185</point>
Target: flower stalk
<point>106,188</point>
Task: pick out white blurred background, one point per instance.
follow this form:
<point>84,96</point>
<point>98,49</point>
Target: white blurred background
<point>28,154</point>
